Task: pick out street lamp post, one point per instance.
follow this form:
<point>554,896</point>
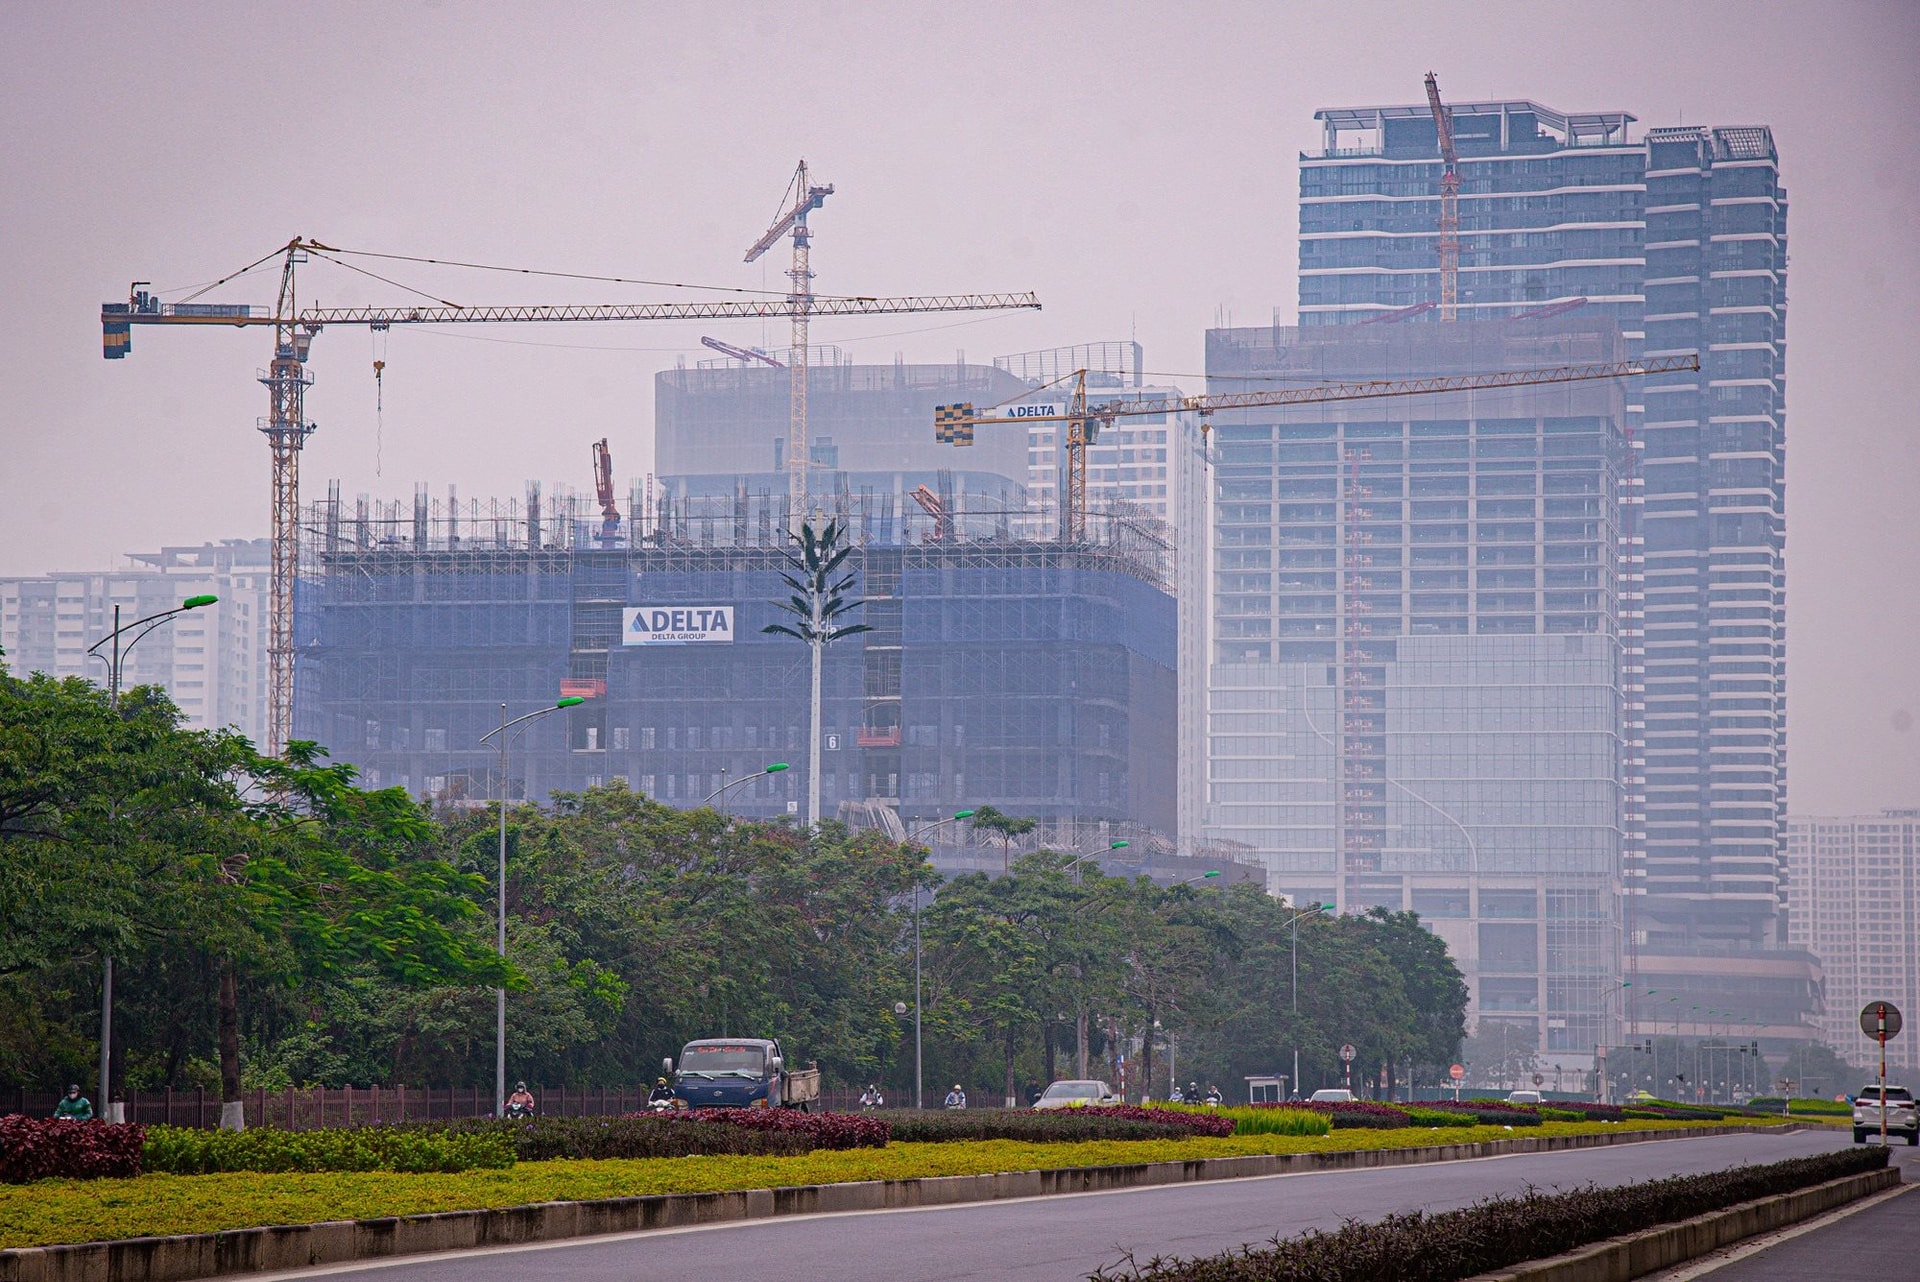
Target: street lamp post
<point>1294,923</point>
<point>113,660</point>
<point>773,769</point>
<point>919,1079</point>
<point>500,918</point>
<point>1071,864</point>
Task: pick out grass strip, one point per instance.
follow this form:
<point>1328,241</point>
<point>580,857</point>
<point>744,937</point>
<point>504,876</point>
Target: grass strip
<point>62,1211</point>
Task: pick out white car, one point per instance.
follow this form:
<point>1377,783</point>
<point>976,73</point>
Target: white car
<point>1524,1097</point>
<point>1076,1094</point>
<point>1335,1095</point>
<point>1902,1118</point>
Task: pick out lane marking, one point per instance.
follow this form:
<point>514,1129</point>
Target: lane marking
<point>774,1221</point>
<point>1753,1246</point>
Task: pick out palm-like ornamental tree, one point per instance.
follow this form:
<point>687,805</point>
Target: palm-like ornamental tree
<point>1007,827</point>
<point>817,605</point>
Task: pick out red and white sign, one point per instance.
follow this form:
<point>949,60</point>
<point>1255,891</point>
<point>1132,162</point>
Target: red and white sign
<point>1347,1053</point>
<point>1456,1072</point>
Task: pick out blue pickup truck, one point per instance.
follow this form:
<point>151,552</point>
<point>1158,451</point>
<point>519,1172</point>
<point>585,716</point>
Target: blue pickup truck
<point>740,1072</point>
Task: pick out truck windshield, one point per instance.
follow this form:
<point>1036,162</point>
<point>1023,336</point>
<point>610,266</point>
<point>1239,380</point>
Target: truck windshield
<point>723,1060</point>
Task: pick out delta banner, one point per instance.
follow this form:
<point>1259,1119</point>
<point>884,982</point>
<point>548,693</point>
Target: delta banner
<point>676,624</point>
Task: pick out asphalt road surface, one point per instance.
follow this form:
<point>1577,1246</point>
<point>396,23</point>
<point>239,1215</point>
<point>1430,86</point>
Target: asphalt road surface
<point>1059,1239</point>
<point>1877,1241</point>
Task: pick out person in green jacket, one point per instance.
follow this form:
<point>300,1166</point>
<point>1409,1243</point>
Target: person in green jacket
<point>74,1106</point>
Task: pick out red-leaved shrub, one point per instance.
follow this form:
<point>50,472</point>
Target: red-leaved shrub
<point>1193,1123</point>
<point>826,1130</point>
<point>33,1148</point>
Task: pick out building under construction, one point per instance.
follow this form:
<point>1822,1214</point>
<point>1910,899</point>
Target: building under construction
<point>1023,673</point>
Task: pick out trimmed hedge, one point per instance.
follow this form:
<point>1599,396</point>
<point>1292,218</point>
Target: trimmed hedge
<point>181,1150</point>
<point>38,1148</point>
<point>1358,1113</point>
<point>712,1132</point>
<point>1500,1231</point>
<point>1484,1112</point>
<point>1812,1107</point>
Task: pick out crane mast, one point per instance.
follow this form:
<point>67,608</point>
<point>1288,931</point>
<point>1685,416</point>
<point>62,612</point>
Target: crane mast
<point>1449,204</point>
<point>287,379</point>
<point>807,198</point>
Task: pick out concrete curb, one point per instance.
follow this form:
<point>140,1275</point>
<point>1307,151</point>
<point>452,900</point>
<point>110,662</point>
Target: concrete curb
<point>298,1246</point>
<point>1636,1255</point>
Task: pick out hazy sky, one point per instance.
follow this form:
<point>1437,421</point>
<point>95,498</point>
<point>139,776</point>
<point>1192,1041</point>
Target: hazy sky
<point>1135,164</point>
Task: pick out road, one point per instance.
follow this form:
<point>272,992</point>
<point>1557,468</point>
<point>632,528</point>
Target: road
<point>1875,1241</point>
<point>1059,1239</point>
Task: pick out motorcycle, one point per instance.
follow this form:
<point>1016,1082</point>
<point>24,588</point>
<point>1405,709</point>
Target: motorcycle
<point>516,1110</point>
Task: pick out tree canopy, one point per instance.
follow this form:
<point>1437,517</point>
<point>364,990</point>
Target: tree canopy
<point>275,924</point>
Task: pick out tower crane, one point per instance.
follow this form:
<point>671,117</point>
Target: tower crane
<point>287,380</point>
<point>954,424</point>
<point>806,199</point>
<point>1449,204</point>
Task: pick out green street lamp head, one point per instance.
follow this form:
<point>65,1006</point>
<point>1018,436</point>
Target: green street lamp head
<point>1211,873</point>
<point>775,768</point>
<point>1116,845</point>
<point>569,701</point>
<point>963,814</point>
<point>195,602</point>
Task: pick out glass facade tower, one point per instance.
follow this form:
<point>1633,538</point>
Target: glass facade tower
<point>1415,696</point>
<point>1678,236</point>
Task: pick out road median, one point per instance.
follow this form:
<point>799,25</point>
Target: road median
<point>181,1257</point>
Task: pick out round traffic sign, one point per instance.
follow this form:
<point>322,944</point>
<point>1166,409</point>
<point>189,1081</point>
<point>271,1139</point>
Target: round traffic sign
<point>1539,1079</point>
<point>1457,1072</point>
<point>1870,1019</point>
<point>1347,1053</point>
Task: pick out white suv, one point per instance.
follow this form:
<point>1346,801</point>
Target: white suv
<point>1902,1119</point>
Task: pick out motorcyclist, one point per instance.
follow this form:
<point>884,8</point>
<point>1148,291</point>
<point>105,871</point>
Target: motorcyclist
<point>1178,1097</point>
<point>662,1093</point>
<point>1214,1097</point>
<point>956,1098</point>
<point>520,1103</point>
<point>73,1106</point>
<point>1193,1092</point>
<point>871,1097</point>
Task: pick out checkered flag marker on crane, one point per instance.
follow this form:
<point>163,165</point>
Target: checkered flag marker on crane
<point>953,424</point>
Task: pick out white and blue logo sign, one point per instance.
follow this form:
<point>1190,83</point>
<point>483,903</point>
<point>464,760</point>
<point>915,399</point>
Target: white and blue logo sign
<point>676,624</point>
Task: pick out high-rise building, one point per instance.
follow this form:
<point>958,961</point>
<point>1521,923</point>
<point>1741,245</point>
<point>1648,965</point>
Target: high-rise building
<point>1415,691</point>
<point>212,660</point>
<point>1679,237</point>
<point>1026,674</point>
<point>721,433</point>
<point>1853,900</point>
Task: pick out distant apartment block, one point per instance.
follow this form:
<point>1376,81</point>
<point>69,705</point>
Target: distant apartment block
<point>1852,899</point>
<point>1134,460</point>
<point>212,661</point>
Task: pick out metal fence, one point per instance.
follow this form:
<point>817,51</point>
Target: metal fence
<point>313,1107</point>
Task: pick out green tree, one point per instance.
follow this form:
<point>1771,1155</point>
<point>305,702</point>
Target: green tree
<point>1006,827</point>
